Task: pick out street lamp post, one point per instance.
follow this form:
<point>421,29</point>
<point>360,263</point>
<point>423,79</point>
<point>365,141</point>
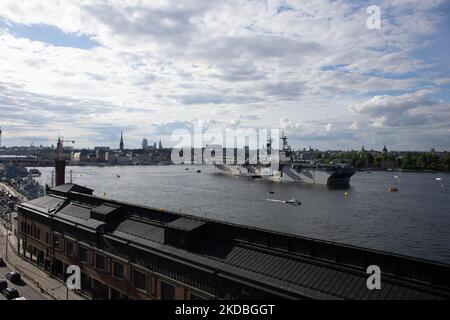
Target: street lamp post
<point>6,238</point>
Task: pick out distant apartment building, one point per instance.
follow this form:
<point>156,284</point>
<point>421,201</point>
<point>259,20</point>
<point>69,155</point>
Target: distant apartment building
<point>123,159</point>
<point>47,154</point>
<point>144,144</point>
<point>92,157</point>
<point>81,156</point>
<point>102,155</point>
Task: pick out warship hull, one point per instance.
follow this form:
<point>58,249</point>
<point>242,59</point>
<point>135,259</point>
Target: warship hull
<point>292,172</point>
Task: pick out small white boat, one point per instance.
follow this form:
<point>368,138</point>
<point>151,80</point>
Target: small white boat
<point>294,202</point>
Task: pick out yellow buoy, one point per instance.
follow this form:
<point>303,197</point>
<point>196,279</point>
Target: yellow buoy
<point>346,194</point>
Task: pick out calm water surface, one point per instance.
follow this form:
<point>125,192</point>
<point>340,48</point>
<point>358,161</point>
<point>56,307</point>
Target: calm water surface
<point>414,221</point>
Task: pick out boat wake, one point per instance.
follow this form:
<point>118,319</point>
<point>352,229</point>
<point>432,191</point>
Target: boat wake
<point>294,202</point>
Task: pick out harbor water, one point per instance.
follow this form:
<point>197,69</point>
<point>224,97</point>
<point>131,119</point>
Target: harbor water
<point>414,221</point>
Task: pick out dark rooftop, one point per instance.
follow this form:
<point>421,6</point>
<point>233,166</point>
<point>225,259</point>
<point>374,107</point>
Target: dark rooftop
<point>48,204</point>
<point>131,230</point>
<point>186,224</point>
<point>105,209</point>
<point>69,187</point>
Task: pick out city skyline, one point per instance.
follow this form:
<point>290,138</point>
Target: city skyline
<point>151,68</point>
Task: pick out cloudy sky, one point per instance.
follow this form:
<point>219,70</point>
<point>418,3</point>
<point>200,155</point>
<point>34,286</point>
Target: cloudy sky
<point>87,69</point>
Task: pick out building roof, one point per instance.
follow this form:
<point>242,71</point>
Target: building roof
<point>69,187</point>
<point>186,224</point>
<point>80,215</point>
<point>105,209</point>
<point>48,204</point>
<point>132,230</point>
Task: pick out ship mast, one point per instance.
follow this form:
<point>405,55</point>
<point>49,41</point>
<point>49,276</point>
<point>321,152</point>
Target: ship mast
<point>287,150</point>
<point>284,142</point>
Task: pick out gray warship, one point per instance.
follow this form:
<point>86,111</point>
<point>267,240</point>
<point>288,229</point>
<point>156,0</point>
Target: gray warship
<point>337,173</point>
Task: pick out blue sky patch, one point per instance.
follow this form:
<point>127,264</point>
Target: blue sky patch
<point>284,7</point>
<point>50,35</point>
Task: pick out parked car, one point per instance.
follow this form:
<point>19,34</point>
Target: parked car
<point>14,277</point>
<point>3,284</point>
<point>2,263</point>
<point>11,293</point>
<point>20,298</point>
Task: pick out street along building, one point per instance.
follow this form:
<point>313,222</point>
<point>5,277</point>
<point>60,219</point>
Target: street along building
<point>127,251</point>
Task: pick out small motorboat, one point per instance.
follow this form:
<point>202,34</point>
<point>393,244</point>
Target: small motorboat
<point>393,189</point>
<point>199,171</point>
<point>294,202</point>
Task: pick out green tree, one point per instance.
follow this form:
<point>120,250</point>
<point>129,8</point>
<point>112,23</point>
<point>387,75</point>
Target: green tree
<point>446,163</point>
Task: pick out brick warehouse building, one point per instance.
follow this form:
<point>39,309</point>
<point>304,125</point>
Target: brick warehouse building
<point>134,252</point>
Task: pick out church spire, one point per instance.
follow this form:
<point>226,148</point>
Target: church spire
<point>121,140</point>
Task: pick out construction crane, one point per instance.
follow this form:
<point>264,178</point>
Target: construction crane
<point>0,137</point>
<point>60,147</point>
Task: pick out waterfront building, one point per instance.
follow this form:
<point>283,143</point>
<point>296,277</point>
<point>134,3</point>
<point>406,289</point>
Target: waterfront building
<point>123,159</point>
<point>101,155</point>
<point>81,156</point>
<point>127,251</point>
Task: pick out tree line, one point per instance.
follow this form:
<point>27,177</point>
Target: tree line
<point>409,161</point>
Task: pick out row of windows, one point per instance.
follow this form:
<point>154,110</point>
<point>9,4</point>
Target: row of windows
<point>139,279</point>
<point>83,254</point>
<point>117,268</point>
<point>99,290</point>
<point>31,230</point>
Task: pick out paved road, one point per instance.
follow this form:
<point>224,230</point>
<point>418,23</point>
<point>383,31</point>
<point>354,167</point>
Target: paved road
<point>5,188</point>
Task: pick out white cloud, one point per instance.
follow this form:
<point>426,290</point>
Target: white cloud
<point>409,110</point>
<point>171,61</point>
